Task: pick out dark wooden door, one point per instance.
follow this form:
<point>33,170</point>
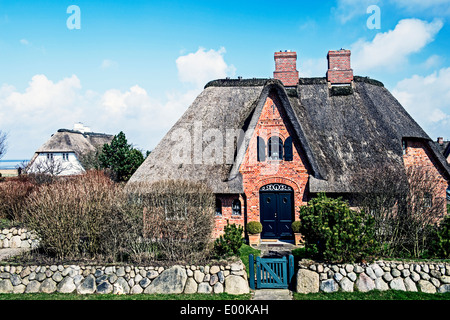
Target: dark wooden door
<point>276,210</point>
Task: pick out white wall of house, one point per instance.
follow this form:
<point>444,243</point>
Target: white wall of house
<point>57,163</point>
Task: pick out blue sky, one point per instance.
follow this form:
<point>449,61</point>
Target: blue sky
<point>136,66</point>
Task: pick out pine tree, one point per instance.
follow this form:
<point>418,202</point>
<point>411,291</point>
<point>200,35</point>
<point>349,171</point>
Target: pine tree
<point>120,158</point>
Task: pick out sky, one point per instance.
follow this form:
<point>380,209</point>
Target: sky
<point>136,66</point>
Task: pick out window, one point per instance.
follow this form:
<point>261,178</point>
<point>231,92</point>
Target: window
<point>236,207</point>
<point>275,148</point>
<point>65,156</point>
<point>404,146</point>
<point>261,149</point>
<point>50,156</point>
<point>218,207</point>
<point>288,153</point>
<point>428,200</point>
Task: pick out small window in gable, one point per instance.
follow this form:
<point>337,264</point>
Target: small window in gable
<point>275,148</point>
<point>261,149</point>
<point>236,207</point>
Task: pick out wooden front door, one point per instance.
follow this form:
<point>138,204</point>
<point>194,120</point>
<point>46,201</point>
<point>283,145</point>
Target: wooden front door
<point>276,211</point>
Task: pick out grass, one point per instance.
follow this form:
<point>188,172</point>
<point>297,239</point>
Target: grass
<point>373,295</point>
<point>244,252</point>
<point>74,296</point>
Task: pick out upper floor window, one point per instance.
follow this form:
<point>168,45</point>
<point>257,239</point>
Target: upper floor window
<point>276,149</point>
<point>65,156</point>
<point>275,146</point>
<point>50,156</point>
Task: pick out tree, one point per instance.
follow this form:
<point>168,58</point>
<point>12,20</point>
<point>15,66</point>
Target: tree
<point>3,145</point>
<point>120,158</point>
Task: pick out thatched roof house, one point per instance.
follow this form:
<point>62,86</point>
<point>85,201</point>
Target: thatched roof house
<point>256,140</point>
<point>62,153</point>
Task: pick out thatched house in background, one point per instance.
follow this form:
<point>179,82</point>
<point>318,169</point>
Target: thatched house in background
<point>266,146</point>
<point>62,153</point>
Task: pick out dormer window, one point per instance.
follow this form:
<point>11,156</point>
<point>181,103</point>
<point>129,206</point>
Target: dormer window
<point>276,149</point>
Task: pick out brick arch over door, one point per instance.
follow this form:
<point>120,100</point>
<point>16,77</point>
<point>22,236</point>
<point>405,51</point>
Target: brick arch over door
<point>254,205</point>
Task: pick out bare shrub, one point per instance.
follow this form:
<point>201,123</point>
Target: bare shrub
<point>70,215</point>
<point>405,205</point>
<point>178,218</point>
<point>13,197</point>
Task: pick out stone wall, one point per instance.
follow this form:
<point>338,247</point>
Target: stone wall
<point>380,275</point>
<point>18,238</point>
<point>231,278</point>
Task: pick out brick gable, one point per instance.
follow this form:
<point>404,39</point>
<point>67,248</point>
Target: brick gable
<point>255,174</point>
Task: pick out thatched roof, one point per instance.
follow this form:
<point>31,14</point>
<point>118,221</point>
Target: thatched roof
<point>65,140</point>
<point>341,131</point>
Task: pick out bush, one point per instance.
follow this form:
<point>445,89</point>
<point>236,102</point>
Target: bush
<point>228,244</point>
<point>178,219</point>
<point>336,233</point>
<point>13,197</point>
<point>75,217</point>
<point>296,225</point>
<point>440,245</point>
<point>254,227</point>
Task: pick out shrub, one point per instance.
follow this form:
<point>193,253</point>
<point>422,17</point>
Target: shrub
<point>336,233</point>
<point>440,246</point>
<point>296,225</point>
<point>80,217</point>
<point>178,218</point>
<point>228,244</point>
<point>254,227</point>
<point>13,197</point>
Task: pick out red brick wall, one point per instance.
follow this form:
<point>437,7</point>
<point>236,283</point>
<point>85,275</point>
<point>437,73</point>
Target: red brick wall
<point>286,68</point>
<point>418,154</point>
<point>227,213</point>
<point>257,174</point>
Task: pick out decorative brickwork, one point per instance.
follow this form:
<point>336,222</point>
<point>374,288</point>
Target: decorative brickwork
<point>259,173</point>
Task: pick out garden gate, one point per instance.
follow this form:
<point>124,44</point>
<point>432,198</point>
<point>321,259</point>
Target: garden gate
<point>271,272</point>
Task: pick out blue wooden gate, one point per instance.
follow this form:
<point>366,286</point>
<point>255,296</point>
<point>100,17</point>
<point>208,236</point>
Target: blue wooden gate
<point>270,272</point>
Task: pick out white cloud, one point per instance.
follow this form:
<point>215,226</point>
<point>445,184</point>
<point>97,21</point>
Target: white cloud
<point>433,7</point>
<point>44,106</point>
<point>24,42</point>
<point>391,49</point>
<point>202,66</point>
<point>108,63</point>
<point>349,9</point>
<point>426,99</point>
<point>314,67</point>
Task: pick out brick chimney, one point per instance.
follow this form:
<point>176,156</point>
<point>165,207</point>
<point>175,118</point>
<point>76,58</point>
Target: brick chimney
<point>339,70</point>
<point>286,68</point>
